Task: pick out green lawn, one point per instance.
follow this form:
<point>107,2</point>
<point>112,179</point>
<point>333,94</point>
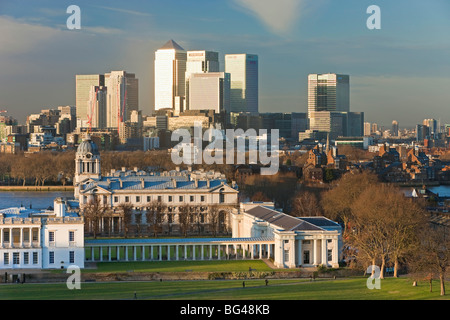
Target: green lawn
<point>181,266</point>
<point>341,289</point>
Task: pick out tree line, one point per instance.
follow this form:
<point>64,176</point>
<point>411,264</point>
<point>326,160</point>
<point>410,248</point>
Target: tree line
<point>381,226</point>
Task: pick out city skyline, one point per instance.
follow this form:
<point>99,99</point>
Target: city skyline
<point>398,72</point>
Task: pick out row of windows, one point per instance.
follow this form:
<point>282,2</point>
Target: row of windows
<point>35,257</point>
<point>51,236</point>
<point>51,257</point>
<point>16,258</point>
<point>159,198</point>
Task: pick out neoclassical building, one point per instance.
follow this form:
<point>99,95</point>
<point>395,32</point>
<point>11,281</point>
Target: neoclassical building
<point>297,242</point>
<point>198,190</point>
<point>48,239</point>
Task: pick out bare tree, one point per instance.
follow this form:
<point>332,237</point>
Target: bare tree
<point>126,210</point>
<point>94,211</point>
<point>305,204</point>
<point>214,218</point>
<point>154,214</point>
<point>337,201</point>
<point>433,256</point>
<point>184,218</point>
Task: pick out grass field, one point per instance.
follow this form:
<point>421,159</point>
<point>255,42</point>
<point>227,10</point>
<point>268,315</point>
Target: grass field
<point>342,289</point>
<point>181,266</point>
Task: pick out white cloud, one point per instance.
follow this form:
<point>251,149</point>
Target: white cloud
<point>279,16</point>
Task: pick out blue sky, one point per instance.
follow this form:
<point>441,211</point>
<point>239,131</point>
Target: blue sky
<point>400,72</point>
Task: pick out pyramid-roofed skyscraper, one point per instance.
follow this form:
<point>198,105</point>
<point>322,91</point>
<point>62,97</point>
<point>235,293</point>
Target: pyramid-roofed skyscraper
<point>170,69</point>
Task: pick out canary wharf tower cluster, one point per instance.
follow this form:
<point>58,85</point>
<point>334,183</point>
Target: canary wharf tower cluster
<point>191,80</point>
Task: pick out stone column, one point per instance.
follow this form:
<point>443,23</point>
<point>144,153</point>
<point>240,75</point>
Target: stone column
<point>324,252</point>
<point>315,262</point>
<point>300,252</point>
<point>176,252</point>
<point>292,253</point>
<point>335,253</point>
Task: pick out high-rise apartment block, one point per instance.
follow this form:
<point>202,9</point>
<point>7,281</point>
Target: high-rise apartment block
<point>243,70</point>
<point>170,73</point>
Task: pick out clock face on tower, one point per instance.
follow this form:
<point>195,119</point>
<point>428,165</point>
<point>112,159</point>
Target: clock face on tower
<point>88,156</point>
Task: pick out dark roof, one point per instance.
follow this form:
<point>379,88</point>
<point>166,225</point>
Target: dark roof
<point>171,45</point>
<point>288,222</point>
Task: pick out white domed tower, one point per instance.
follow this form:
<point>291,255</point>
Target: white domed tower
<point>87,161</point>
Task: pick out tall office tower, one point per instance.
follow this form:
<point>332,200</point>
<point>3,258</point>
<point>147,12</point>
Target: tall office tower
<point>332,123</point>
<point>432,127</point>
<point>170,72</point>
<point>395,128</point>
<point>83,85</point>
<point>355,124</point>
<point>328,92</point>
<point>97,107</point>
<point>210,91</point>
<point>367,129</point>
<point>243,70</point>
<point>122,97</point>
<point>374,128</point>
<point>200,62</point>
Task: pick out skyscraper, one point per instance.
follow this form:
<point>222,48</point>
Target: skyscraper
<point>122,97</point>
<point>395,128</point>
<point>243,70</point>
<point>209,91</point>
<point>97,107</point>
<point>199,62</point>
<point>170,69</point>
<point>328,92</point>
<point>83,85</point>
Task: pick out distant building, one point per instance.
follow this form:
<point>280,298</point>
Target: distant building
<point>328,92</point>
<point>170,73</point>
<point>243,70</point>
<point>209,91</point>
<point>199,61</point>
<point>83,84</point>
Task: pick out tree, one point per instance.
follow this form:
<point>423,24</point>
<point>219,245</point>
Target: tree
<point>385,225</point>
<point>126,210</point>
<point>154,214</point>
<point>214,218</point>
<point>94,211</point>
<point>305,204</point>
<point>337,201</point>
<point>433,256</point>
<point>184,218</point>
<point>260,196</point>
